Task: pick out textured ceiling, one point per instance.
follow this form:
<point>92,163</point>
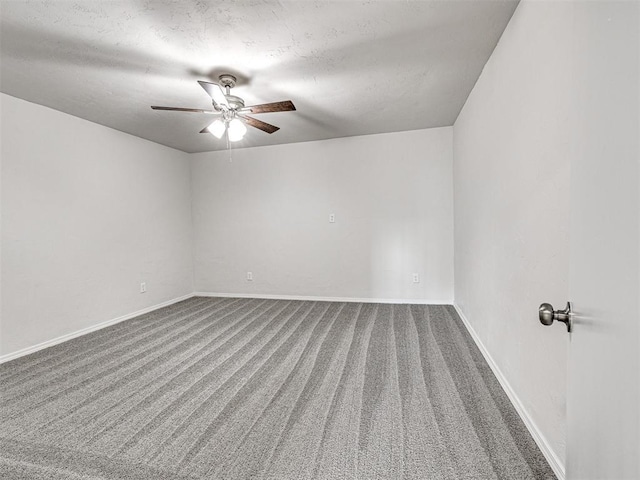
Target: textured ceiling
<point>350,67</point>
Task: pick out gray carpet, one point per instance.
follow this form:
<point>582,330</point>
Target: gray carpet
<point>236,389</point>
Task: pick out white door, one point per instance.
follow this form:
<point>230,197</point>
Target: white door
<point>603,401</point>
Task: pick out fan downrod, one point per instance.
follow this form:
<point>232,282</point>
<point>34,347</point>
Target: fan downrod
<point>228,81</point>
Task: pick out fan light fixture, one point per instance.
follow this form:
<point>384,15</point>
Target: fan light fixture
<point>235,129</point>
<point>217,128</point>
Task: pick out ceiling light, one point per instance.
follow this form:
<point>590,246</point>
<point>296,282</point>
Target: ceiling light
<point>236,130</point>
<point>217,128</point>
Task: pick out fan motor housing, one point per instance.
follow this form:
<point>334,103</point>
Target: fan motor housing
<point>235,102</point>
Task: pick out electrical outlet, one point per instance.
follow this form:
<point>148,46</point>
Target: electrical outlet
<point>332,218</point>
<point>249,276</point>
<point>143,287</point>
<point>416,278</point>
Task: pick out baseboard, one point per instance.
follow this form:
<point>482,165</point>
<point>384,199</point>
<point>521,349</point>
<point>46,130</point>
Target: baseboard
<point>556,465</point>
<point>410,301</point>
<point>84,331</point>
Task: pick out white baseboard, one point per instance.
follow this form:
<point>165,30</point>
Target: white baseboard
<point>324,299</point>
<point>556,464</point>
<point>84,331</point>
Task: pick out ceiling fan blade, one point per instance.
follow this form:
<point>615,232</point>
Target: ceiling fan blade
<point>180,109</point>
<point>259,124</point>
<point>285,106</point>
<point>215,92</point>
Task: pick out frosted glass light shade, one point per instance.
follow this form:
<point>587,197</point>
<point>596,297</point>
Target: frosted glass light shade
<point>236,130</point>
<point>217,128</point>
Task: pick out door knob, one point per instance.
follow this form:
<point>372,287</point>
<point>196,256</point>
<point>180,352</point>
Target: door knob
<point>547,315</point>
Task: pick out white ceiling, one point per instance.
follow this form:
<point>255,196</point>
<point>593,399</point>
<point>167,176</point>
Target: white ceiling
<point>350,67</point>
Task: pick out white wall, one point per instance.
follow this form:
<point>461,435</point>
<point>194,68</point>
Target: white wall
<point>511,191</point>
<point>267,212</point>
<point>87,214</point>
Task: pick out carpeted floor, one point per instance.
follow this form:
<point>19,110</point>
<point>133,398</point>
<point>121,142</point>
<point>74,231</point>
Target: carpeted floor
<point>214,388</point>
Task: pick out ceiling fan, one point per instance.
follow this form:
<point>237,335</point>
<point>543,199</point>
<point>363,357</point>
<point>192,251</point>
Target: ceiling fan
<point>231,110</point>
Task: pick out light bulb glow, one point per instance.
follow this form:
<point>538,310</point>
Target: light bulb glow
<point>236,130</point>
<point>217,128</point>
